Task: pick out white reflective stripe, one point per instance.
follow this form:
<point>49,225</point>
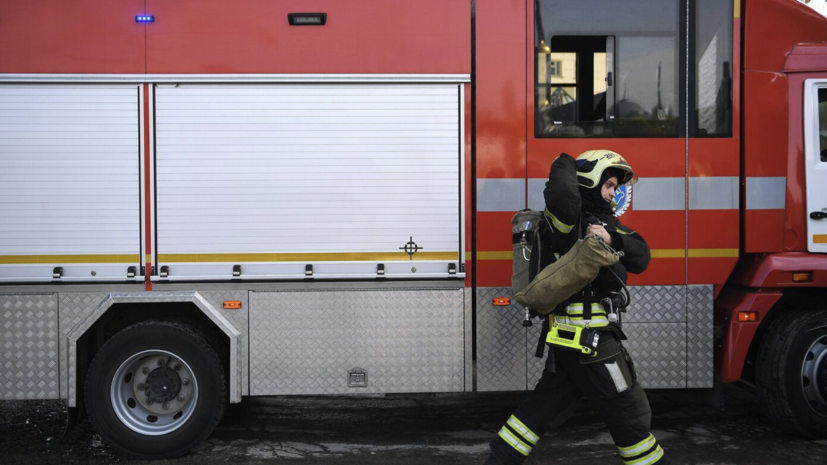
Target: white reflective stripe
<point>660,194</point>
<point>636,450</point>
<point>522,447</point>
<point>523,429</point>
<point>714,193</point>
<point>617,376</point>
<point>651,458</point>
<point>766,193</point>
<point>494,195</point>
<point>668,194</point>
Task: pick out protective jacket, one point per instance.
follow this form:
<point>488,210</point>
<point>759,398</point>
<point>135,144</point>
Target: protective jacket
<point>568,215</point>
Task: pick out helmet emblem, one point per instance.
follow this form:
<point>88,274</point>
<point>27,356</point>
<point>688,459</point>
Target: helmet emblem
<point>623,198</point>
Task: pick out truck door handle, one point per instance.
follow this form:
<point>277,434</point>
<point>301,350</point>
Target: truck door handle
<point>818,215</point>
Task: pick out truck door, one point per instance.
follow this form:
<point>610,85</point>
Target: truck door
<point>815,133</point>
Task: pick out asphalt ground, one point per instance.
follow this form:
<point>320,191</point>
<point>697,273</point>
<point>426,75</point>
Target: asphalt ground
<point>419,429</point>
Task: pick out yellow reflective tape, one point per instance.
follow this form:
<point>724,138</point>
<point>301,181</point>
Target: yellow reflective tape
<point>647,459</point>
<point>580,312</point>
<point>737,8</point>
<point>635,449</point>
<point>713,253</point>
<point>559,225</point>
<point>523,429</point>
<point>514,442</point>
<point>667,253</point>
<point>581,323</point>
<point>654,253</point>
<point>495,255</point>
<point>148,258</point>
<point>577,308</point>
<point>66,259</point>
<point>819,238</point>
<point>303,257</point>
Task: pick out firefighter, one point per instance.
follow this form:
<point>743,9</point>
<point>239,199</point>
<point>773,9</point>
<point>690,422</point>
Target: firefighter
<point>579,200</point>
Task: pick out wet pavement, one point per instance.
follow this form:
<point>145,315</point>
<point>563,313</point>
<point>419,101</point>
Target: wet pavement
<point>432,430</point>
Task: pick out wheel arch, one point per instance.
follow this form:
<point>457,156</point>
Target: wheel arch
<point>117,311</point>
<point>802,298</point>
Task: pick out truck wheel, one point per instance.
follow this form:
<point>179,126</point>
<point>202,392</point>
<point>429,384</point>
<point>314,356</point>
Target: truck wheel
<point>155,390</point>
<point>791,373</point>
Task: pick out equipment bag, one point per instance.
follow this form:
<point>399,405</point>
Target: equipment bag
<point>568,275</point>
<point>526,234</point>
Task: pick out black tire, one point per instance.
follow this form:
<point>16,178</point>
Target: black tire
<point>791,377</point>
<point>174,414</point>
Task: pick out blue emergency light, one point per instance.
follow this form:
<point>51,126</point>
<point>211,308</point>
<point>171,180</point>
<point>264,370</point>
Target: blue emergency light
<point>145,19</point>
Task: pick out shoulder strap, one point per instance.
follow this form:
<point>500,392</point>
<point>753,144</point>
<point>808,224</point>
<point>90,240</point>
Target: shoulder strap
<point>541,343</point>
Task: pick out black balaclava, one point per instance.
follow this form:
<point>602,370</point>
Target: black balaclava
<point>593,202</point>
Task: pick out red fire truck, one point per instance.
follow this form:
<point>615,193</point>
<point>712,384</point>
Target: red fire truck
<point>201,201</point>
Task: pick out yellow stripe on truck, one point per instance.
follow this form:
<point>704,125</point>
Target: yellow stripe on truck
<point>66,259</point>
<point>655,253</point>
<point>303,257</point>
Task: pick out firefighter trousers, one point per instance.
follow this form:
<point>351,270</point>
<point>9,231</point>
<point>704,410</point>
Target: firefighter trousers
<point>608,382</point>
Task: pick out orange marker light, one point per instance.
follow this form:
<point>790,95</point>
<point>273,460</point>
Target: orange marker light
<point>502,301</point>
<point>747,316</point>
<point>802,277</point>
<point>232,304</point>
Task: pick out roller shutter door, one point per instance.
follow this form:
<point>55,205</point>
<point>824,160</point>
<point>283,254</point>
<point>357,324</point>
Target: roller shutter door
<point>69,182</point>
<point>282,179</point>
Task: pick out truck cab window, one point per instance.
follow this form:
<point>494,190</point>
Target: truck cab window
<point>712,49</point>
<point>619,72</point>
<point>822,123</point>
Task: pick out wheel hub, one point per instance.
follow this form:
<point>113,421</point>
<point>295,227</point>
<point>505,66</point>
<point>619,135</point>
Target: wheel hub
<point>162,385</point>
<point>814,376</point>
<point>822,378</point>
<point>154,392</point>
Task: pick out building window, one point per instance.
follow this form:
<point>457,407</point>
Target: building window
<point>554,67</point>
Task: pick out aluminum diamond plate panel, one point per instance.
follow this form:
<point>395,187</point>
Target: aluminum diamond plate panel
<point>501,343</point>
<point>699,343</point>
<point>659,353</point>
<point>239,319</point>
<point>305,342</point>
<point>28,346</point>
<point>79,310</point>
<point>73,308</point>
<point>656,304</point>
<point>655,324</point>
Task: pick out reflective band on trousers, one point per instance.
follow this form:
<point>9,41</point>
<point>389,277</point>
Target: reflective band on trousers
<point>514,442</point>
<point>518,426</point>
<point>648,459</point>
<point>637,449</point>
